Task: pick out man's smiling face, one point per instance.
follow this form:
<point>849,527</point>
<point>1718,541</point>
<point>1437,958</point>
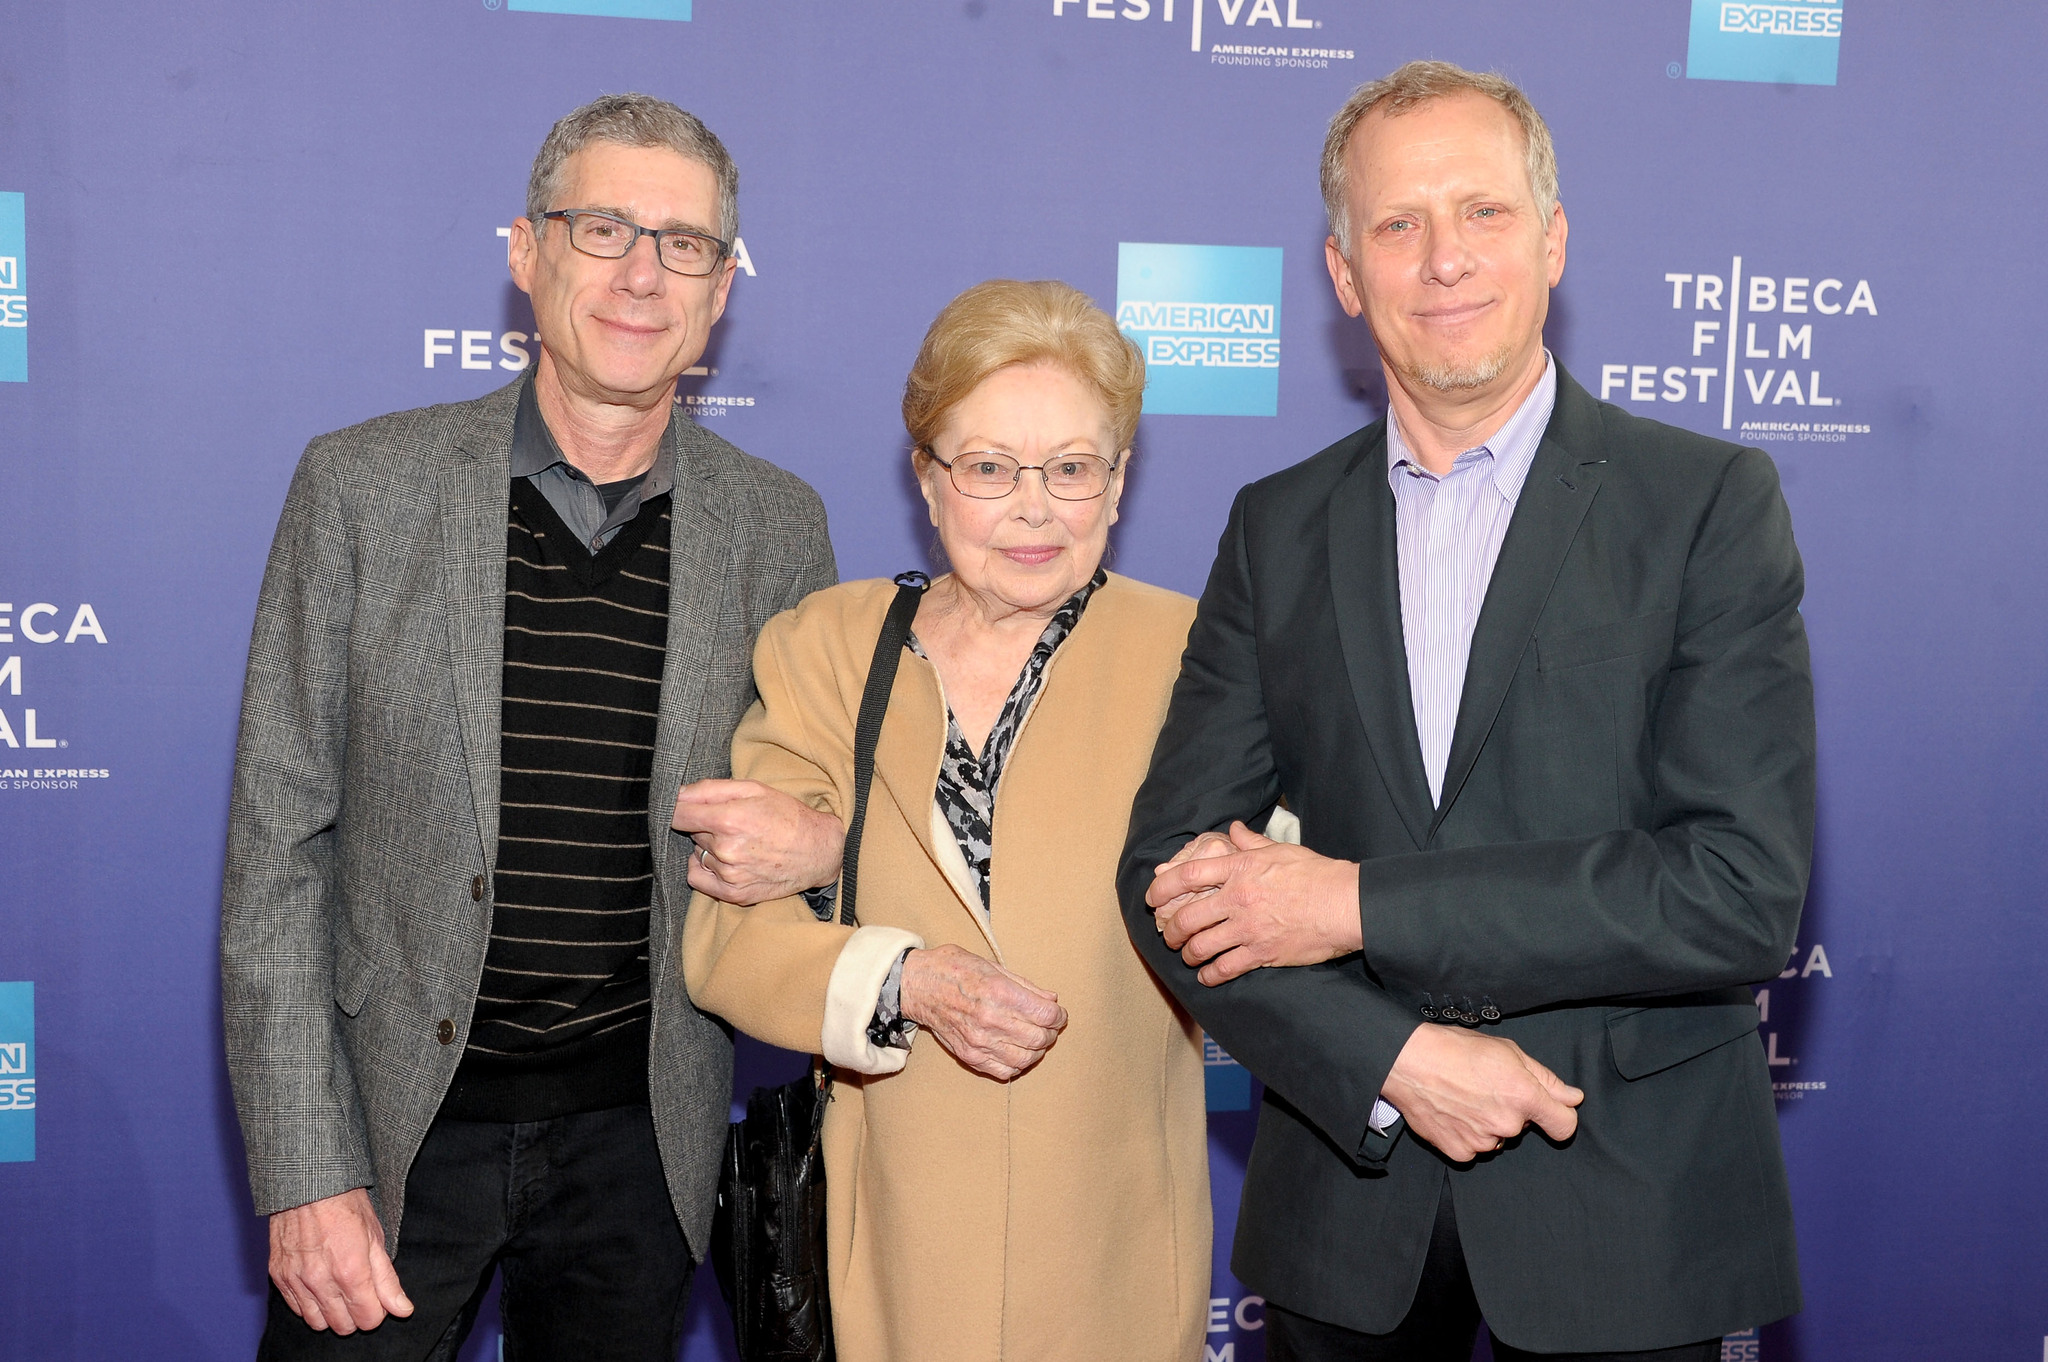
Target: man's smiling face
<point>619,329</point>
<point>1450,261</point>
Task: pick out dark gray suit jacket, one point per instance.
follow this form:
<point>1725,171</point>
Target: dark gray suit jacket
<point>364,822</point>
<point>1623,842</point>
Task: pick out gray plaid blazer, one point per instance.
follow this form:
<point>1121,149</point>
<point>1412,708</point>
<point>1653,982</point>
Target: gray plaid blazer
<point>364,823</point>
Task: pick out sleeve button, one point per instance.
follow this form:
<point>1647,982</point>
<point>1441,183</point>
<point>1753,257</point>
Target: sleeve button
<point>446,1031</point>
<point>476,889</point>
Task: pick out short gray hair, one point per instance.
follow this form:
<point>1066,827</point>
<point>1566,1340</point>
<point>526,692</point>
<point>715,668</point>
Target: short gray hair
<point>634,121</point>
<point>1419,82</point>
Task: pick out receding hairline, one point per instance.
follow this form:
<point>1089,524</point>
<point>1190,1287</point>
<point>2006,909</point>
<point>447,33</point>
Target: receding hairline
<point>1416,85</point>
<point>1391,110</point>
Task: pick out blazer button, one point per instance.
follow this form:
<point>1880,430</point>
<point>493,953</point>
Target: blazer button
<point>476,889</point>
<point>446,1031</point>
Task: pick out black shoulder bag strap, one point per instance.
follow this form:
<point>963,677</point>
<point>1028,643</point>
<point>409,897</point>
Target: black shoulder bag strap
<point>768,1234</point>
<point>867,728</point>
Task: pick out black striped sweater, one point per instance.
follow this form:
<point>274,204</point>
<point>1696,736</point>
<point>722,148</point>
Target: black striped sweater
<point>561,1020</point>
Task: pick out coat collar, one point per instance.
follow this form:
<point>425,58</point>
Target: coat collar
<point>1365,580</point>
<point>1561,487</point>
<point>912,744</point>
<point>703,554</point>
<point>1366,583</point>
<point>474,489</point>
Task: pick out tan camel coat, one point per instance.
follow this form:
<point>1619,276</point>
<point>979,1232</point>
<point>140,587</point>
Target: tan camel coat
<point>1064,1215</point>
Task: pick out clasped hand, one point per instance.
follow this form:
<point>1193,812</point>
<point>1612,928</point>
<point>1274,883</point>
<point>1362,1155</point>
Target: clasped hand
<point>753,843</point>
<point>994,1022</point>
<point>1233,903</point>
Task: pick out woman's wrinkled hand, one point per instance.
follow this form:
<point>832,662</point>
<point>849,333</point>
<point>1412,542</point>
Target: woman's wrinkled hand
<point>1205,847</point>
<point>991,1020</point>
<point>754,843</point>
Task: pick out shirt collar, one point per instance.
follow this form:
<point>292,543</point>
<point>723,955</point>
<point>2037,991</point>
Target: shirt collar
<point>1512,448</point>
<point>534,449</point>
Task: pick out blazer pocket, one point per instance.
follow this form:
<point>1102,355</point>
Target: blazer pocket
<point>1605,642</point>
<point>354,973</point>
<point>1648,1040</point>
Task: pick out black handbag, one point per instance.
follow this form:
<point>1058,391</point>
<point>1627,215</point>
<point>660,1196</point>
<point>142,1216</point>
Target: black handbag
<point>768,1234</point>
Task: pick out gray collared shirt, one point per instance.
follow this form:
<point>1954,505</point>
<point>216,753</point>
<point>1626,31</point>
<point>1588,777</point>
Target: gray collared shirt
<point>574,497</point>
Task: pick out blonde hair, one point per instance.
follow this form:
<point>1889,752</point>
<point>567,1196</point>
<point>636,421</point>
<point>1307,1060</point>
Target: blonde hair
<point>1419,82</point>
<point>1006,322</point>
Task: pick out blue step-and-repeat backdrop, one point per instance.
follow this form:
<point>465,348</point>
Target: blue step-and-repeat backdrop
<point>1817,226</point>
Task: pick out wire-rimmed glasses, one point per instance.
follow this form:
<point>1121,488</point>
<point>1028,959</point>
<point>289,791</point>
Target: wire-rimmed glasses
<point>987,475</point>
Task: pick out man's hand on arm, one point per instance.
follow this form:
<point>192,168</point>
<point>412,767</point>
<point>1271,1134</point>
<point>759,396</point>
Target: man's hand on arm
<point>1258,903</point>
<point>327,1258</point>
<point>755,843</point>
<point>1467,1094</point>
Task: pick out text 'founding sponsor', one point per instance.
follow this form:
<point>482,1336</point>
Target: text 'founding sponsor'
<point>1208,321</point>
<point>13,288</point>
<point>23,728</point>
<point>1735,357</point>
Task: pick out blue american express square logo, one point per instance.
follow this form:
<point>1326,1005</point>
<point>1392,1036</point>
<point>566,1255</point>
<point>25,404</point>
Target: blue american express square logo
<point>1208,320</point>
<point>1228,1084</point>
<point>13,289</point>
<point>610,9</point>
<point>17,1071</point>
<point>1790,42</point>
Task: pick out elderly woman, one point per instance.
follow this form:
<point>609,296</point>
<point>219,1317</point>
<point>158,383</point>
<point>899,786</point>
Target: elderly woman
<point>1015,1152</point>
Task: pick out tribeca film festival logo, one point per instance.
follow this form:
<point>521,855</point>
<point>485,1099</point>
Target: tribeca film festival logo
<point>509,350</point>
<point>17,1073</point>
<point>1805,963</point>
<point>23,738</point>
<point>1793,43</point>
<point>1256,16</point>
<point>13,289</point>
<point>1208,320</point>
<point>1760,369</point>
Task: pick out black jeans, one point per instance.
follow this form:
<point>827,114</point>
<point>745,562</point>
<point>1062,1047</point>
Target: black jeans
<point>1440,1326</point>
<point>574,1212</point>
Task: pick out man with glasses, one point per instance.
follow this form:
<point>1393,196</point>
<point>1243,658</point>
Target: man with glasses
<point>495,639</point>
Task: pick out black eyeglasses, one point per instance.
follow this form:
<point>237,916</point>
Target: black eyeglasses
<point>989,476</point>
<point>609,238</point>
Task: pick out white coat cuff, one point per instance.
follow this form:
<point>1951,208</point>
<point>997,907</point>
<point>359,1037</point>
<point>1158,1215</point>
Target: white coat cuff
<point>857,979</point>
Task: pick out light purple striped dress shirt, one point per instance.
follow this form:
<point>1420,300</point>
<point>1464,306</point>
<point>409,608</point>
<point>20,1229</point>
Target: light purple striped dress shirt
<point>1450,530</point>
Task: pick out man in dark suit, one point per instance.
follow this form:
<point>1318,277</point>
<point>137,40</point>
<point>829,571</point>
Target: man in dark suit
<point>1530,673</point>
<point>494,639</point>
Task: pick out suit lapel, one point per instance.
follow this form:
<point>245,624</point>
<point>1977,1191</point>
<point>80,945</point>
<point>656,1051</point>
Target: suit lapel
<point>475,492</point>
<point>701,553</point>
<point>1563,480</point>
<point>1365,579</point>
